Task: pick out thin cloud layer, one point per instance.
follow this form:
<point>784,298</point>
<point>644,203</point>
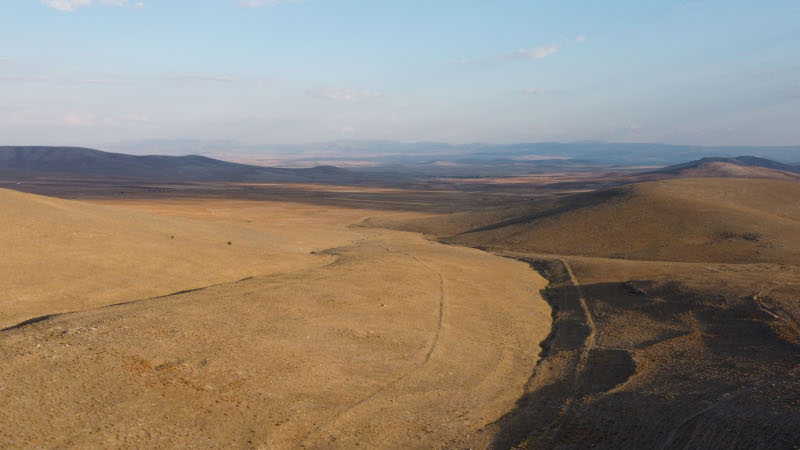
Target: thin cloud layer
<point>201,78</point>
<point>540,52</point>
<point>72,5</point>
<point>23,78</point>
<point>544,51</point>
<point>260,3</point>
<point>256,3</point>
<point>345,95</point>
<point>311,68</point>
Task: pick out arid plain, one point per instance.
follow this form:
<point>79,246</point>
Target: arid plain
<point>208,321</point>
<point>657,314</point>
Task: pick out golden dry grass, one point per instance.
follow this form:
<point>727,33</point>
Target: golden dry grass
<point>385,340</point>
<point>64,255</point>
<point>711,220</point>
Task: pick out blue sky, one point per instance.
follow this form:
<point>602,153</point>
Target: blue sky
<point>88,72</point>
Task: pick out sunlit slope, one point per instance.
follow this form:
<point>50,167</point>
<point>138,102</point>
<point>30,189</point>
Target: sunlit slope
<point>724,220</point>
<point>721,167</point>
<point>727,170</point>
<point>60,255</point>
<point>397,342</point>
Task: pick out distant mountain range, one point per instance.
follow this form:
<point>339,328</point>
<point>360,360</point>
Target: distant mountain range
<point>26,162</point>
<point>20,163</point>
<point>417,157</point>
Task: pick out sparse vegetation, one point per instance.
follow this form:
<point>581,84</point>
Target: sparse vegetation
<point>649,286</point>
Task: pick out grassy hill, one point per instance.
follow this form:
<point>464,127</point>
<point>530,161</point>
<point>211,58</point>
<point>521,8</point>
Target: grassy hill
<point>62,255</point>
<point>738,167</point>
<point>711,220</point>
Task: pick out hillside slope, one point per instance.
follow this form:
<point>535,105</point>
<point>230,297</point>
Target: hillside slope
<point>61,255</point>
<point>25,162</point>
<point>728,170</point>
<point>718,167</point>
<point>372,343</point>
<point>719,220</point>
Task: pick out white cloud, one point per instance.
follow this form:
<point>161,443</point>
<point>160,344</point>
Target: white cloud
<point>532,91</point>
<point>23,78</point>
<point>348,129</point>
<point>77,119</point>
<point>345,95</point>
<point>66,5</point>
<point>540,52</point>
<point>130,120</point>
<point>72,5</point>
<point>629,130</point>
<point>38,78</point>
<point>256,3</point>
<point>196,77</point>
<point>543,51</point>
<point>260,3</point>
<point>139,118</point>
<point>101,81</point>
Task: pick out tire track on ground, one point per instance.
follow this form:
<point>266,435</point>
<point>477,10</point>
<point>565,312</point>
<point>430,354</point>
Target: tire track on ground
<point>726,398</point>
<point>590,340</point>
<point>327,252</point>
<point>583,359</point>
<point>405,375</point>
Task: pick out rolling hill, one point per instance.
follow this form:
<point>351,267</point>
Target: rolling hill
<point>254,324</point>
<point>702,220</point>
<point>62,255</point>
<point>675,314</point>
<point>26,162</point>
<point>738,167</point>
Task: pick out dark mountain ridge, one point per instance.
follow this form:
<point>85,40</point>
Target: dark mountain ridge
<point>23,162</point>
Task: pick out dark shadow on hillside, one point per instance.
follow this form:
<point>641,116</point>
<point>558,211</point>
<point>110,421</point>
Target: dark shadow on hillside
<point>717,375</point>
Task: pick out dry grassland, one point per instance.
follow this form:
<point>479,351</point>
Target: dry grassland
<point>385,339</point>
<point>682,329</point>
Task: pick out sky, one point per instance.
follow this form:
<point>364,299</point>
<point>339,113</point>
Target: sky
<point>89,72</point>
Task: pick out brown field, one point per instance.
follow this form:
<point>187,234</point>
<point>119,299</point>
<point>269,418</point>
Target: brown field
<point>65,255</point>
<point>661,314</point>
<point>308,329</point>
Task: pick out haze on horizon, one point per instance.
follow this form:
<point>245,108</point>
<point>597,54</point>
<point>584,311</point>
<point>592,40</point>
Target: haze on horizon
<point>292,71</point>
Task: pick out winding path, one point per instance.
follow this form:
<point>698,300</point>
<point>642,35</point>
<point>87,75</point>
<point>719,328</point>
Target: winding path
<point>590,340</point>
